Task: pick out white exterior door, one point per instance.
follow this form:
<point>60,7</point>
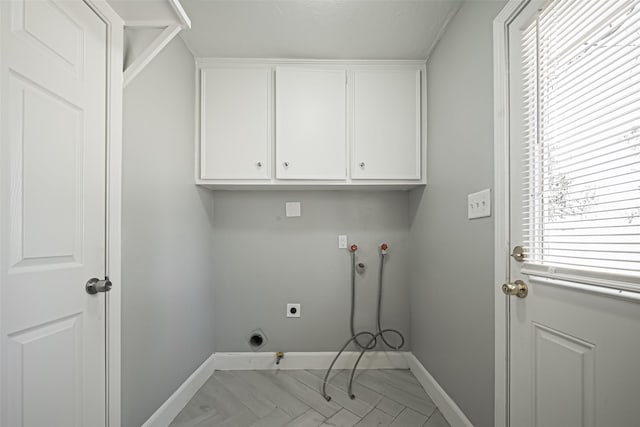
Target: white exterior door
<point>53,148</point>
<point>574,340</point>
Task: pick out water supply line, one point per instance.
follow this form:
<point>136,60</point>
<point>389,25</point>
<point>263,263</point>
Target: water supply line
<point>355,336</point>
<point>373,340</point>
<point>383,253</point>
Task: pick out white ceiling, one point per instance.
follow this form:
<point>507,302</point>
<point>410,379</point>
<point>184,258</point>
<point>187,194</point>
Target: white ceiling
<point>156,13</point>
<point>317,29</point>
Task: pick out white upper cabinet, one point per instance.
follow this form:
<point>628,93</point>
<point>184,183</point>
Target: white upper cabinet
<point>235,123</point>
<point>311,123</point>
<point>386,125</point>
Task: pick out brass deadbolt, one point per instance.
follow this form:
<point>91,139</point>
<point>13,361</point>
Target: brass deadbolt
<point>519,253</point>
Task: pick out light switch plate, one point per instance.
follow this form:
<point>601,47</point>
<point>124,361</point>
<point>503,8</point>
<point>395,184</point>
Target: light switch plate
<point>342,241</point>
<point>292,208</point>
<point>479,204</point>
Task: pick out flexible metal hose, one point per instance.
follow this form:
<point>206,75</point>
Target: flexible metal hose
<point>380,330</point>
<point>355,366</point>
<point>373,341</point>
<point>353,308</point>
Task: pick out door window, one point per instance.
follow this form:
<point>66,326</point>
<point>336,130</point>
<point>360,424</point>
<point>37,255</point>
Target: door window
<point>581,75</point>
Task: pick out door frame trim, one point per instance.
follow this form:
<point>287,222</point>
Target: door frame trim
<point>501,202</point>
<point>115,45</point>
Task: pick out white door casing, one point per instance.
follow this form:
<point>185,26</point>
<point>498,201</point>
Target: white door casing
<point>566,354</point>
<point>54,113</point>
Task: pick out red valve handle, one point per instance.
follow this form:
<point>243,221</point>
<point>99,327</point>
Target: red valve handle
<point>354,247</point>
<point>384,246</point>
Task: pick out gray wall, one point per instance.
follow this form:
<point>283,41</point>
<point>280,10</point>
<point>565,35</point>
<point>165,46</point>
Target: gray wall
<point>179,240</point>
<point>263,260</point>
<point>167,238</point>
<point>452,284</point>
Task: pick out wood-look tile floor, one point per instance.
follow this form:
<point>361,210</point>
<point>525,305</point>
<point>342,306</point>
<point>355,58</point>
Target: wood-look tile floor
<point>292,398</point>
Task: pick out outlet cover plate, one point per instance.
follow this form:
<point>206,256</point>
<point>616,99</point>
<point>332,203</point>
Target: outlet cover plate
<point>342,241</point>
<point>292,209</point>
<point>479,204</point>
<point>293,309</point>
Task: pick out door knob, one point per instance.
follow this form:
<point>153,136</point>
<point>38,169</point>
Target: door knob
<point>517,288</point>
<point>95,285</point>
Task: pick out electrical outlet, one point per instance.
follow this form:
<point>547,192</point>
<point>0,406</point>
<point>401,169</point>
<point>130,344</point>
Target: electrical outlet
<point>342,241</point>
<point>293,310</point>
<point>479,204</point>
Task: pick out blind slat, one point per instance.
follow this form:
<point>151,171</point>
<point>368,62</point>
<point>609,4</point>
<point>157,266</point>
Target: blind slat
<point>584,112</point>
<point>588,147</point>
<point>586,19</point>
<point>600,135</point>
<point>547,195</point>
<point>586,267</point>
<point>596,179</point>
<point>584,163</point>
<point>568,28</point>
<point>623,204</point>
<point>589,70</point>
<point>594,227</point>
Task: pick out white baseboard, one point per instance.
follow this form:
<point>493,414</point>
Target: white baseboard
<point>451,412</point>
<point>179,399</point>
<point>294,360</point>
<point>317,360</point>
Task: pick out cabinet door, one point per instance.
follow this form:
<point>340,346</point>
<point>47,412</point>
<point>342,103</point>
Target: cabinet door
<point>236,127</point>
<point>386,124</point>
<point>310,123</point>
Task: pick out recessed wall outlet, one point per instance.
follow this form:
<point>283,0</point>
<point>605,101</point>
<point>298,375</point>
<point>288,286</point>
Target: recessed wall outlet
<point>479,204</point>
<point>342,241</point>
<point>292,208</point>
<point>293,310</point>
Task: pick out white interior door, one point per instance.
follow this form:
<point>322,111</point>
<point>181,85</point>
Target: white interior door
<point>575,338</point>
<point>53,142</point>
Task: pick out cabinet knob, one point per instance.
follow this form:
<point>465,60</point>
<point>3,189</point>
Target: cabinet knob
<point>286,164</point>
<point>259,164</point>
<point>362,165</point>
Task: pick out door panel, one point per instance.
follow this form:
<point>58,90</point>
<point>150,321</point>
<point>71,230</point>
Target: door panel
<point>43,185</point>
<point>53,142</point>
<point>51,26</point>
<point>44,366</point>
<point>236,129</point>
<point>555,351</point>
<point>310,123</point>
<point>573,358</point>
<point>386,123</point>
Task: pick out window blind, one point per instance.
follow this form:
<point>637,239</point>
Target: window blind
<point>581,75</point>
